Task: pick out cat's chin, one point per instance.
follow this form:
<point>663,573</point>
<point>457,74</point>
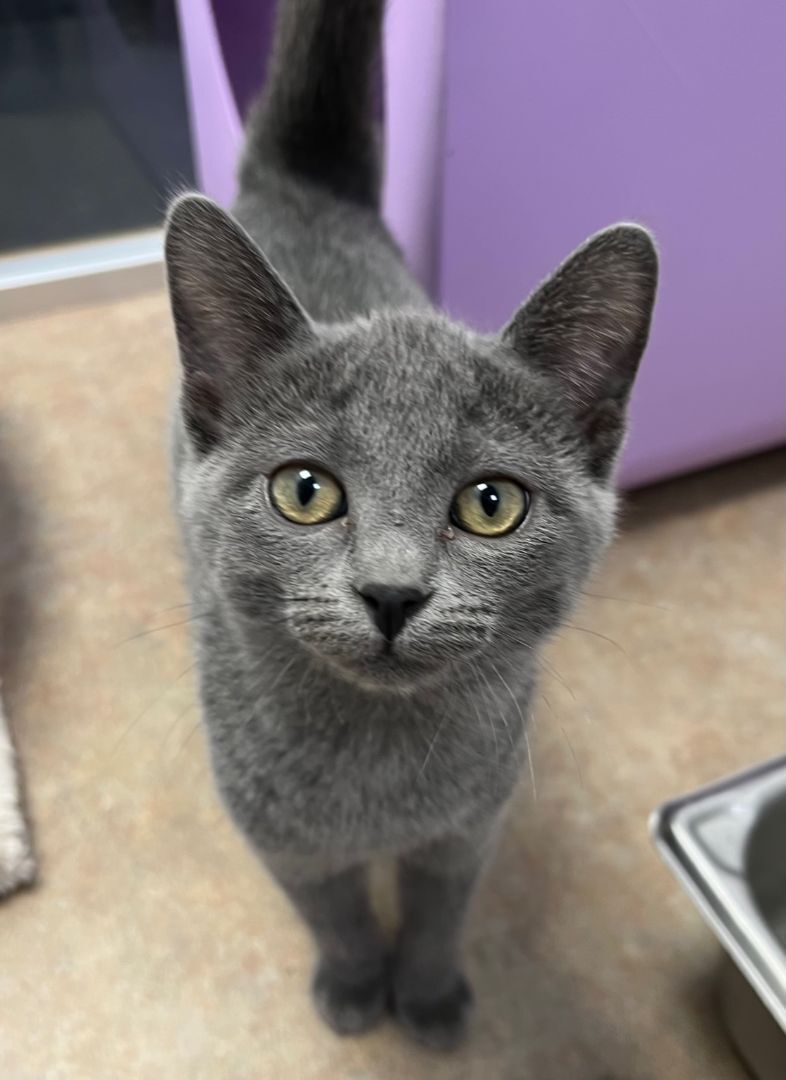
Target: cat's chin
<point>387,672</point>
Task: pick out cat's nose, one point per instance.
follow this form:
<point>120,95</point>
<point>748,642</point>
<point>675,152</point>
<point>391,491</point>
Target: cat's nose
<point>391,605</point>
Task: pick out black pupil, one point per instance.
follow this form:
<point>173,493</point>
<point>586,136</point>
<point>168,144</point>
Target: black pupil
<point>307,487</point>
<point>489,499</point>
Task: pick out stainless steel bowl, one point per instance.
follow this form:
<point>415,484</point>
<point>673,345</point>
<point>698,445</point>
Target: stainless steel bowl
<point>726,845</point>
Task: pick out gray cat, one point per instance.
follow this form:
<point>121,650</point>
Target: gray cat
<point>385,516</point>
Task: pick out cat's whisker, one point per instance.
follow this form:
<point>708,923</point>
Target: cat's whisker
<point>172,607</point>
<point>531,764</point>
<point>282,672</point>
<point>598,634</point>
<point>166,626</point>
<point>310,600</point>
<point>195,727</point>
<point>467,609</point>
<point>515,701</point>
<point>500,711</point>
<point>148,709</point>
<point>176,723</point>
<point>594,633</point>
<point>489,719</point>
<point>548,705</point>
<point>547,666</point>
<point>629,600</point>
<point>432,744</point>
<point>573,755</point>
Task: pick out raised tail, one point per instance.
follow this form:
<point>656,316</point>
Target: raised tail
<point>315,118</point>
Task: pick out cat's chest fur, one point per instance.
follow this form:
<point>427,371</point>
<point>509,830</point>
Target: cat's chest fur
<point>330,769</point>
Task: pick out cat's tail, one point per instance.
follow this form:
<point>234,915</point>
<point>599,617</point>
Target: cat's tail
<point>315,118</point>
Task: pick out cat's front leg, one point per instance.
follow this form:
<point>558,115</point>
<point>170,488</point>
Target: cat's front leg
<point>350,980</point>
<point>432,998</point>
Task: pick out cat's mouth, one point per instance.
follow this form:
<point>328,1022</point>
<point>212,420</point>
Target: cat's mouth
<point>398,662</point>
<point>386,671</point>
<point>384,666</point>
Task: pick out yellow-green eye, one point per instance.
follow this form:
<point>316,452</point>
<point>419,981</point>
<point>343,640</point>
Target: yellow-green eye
<point>307,495</point>
<point>490,507</point>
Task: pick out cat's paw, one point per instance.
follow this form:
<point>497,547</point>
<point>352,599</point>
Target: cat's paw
<point>349,1008</point>
<point>440,1022</point>
<point>17,866</point>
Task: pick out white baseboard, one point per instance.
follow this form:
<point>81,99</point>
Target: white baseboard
<point>42,279</point>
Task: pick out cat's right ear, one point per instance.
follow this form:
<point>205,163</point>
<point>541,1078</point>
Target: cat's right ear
<point>232,312</point>
<point>587,327</point>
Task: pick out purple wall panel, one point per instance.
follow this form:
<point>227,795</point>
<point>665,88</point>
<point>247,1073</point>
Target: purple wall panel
<point>562,117</point>
<point>215,121</point>
<point>414,41</point>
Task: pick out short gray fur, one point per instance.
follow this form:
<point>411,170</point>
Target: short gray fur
<point>329,748</point>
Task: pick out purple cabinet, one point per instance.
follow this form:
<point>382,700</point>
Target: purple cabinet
<point>562,117</point>
<point>514,130</point>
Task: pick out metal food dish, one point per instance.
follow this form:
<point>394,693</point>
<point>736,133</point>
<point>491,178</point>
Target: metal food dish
<point>727,846</point>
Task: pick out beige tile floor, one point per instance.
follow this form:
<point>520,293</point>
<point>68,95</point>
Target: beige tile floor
<point>154,946</point>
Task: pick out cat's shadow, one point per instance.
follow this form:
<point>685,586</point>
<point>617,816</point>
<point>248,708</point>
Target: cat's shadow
<point>683,496</point>
<point>546,1001</point>
<point>529,991</point>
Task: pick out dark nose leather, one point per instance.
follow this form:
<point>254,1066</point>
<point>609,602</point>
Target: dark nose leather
<point>390,606</point>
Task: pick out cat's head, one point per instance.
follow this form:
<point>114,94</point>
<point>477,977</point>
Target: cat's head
<point>399,494</point>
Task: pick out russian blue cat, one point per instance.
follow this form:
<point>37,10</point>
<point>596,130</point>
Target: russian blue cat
<point>385,515</point>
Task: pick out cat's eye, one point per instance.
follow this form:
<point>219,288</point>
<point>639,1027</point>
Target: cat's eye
<point>307,495</point>
<point>490,507</point>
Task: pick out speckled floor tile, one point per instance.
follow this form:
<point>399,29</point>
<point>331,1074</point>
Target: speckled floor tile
<point>154,945</point>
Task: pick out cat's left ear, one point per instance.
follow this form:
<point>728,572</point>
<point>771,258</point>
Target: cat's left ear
<point>588,325</point>
<point>233,313</point>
